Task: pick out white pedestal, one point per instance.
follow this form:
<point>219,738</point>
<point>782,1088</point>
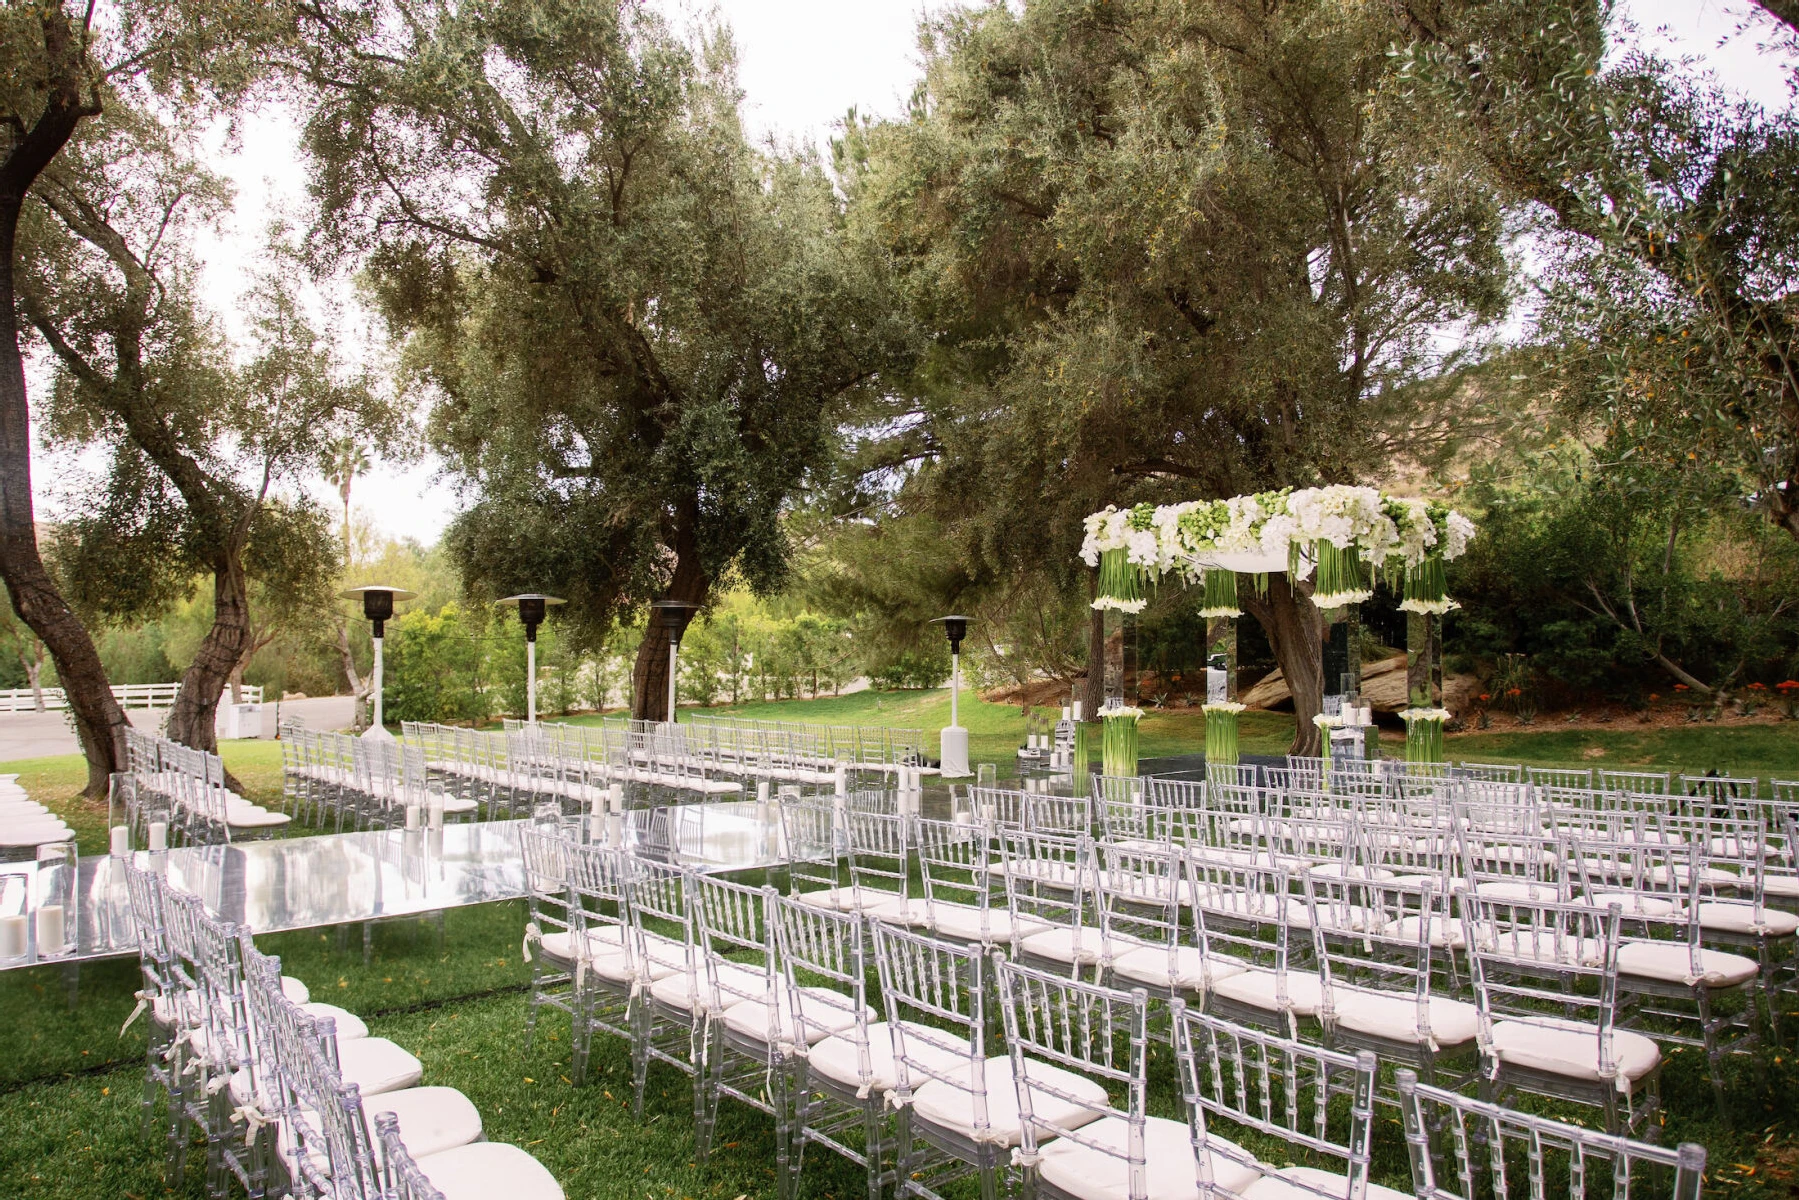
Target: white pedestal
<point>953,748</point>
<point>377,733</point>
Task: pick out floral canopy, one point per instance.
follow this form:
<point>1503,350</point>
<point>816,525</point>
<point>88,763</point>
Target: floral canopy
<point>1337,535</point>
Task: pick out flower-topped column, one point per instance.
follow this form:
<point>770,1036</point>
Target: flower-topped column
<point>1336,537</point>
<point>1221,708</point>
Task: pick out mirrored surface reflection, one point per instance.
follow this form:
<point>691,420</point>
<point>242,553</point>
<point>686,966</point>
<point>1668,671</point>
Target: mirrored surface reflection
<point>334,879</point>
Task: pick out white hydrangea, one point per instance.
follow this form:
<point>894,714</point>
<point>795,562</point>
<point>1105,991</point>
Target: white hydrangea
<point>1459,533</point>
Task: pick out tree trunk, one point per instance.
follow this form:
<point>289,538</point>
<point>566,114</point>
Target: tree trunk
<point>1093,693</point>
<point>1295,630</point>
<point>99,721</point>
<point>649,677</point>
<point>191,720</point>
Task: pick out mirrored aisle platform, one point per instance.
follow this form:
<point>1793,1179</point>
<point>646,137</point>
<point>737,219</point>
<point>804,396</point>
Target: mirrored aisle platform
<point>336,879</point>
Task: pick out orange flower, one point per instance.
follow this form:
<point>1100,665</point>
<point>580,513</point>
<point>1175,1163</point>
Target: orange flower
<point>1758,687</point>
<point>1680,687</point>
<point>1654,696</point>
<point>1484,697</point>
<point>1514,691</point>
<point>1786,685</point>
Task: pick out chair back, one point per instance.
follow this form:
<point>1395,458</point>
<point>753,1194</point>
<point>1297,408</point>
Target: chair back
<point>1462,1149</point>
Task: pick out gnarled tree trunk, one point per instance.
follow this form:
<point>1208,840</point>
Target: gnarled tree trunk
<point>1295,630</point>
<point>99,721</point>
<point>649,677</point>
<point>192,719</point>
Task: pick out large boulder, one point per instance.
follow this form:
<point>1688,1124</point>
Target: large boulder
<point>1383,688</point>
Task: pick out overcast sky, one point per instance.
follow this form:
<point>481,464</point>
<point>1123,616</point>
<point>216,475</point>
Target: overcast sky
<point>803,63</point>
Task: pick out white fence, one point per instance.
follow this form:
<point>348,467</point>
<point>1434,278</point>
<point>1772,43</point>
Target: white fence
<point>129,695</point>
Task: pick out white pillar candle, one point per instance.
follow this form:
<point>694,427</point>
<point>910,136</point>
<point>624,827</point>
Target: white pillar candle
<point>842,779</point>
<point>121,841</point>
<point>50,930</point>
<point>436,812</point>
<point>1077,709</point>
<point>412,816</point>
<point>615,797</point>
<point>159,836</point>
<point>12,937</point>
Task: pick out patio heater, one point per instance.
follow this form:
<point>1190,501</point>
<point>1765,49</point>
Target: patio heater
<point>532,607</point>
<point>674,615</point>
<point>378,602</point>
<point>953,741</point>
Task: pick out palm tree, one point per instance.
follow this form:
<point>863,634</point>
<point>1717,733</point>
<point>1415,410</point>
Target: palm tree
<point>344,460</point>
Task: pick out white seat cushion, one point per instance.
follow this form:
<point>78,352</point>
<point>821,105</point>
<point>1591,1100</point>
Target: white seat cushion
<point>1634,904</point>
<point>1732,916</point>
<point>676,990</point>
<point>484,1170</point>
<point>1190,971</point>
<point>1786,886</point>
<point>1444,932</point>
<point>258,819</point>
<point>822,1013</point>
<point>377,1065</point>
<point>1673,962</point>
<point>1309,1183</point>
<point>964,922</point>
<point>1571,1048</point>
<point>840,1059</point>
<point>1255,986</point>
<point>951,1107</point>
<point>432,1119</point>
<point>1517,889</point>
<point>1090,1173</point>
<point>899,910</point>
<point>1544,946</point>
<point>349,1026</point>
<point>1394,1016</point>
<point>295,990</point>
<point>841,899</point>
<point>1062,944</point>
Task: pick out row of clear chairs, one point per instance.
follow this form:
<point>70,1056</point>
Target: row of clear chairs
<point>282,1089</point>
<point>765,999</point>
<point>185,792</point>
<point>345,782</point>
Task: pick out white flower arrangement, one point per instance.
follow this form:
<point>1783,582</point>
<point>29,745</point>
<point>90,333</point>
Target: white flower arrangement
<point>1120,711</point>
<point>1222,706</point>
<point>1328,720</point>
<point>1435,608</point>
<point>1339,534</point>
<point>1425,714</point>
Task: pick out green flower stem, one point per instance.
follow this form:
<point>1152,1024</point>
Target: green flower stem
<point>1424,741</point>
<point>1221,738</point>
<point>1119,749</point>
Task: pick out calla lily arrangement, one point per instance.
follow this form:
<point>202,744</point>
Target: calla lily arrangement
<point>1221,730</point>
<point>1424,733</point>
<point>1118,745</point>
<point>1336,536</point>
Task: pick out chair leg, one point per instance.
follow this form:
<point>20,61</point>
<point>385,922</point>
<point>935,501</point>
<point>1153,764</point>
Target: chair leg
<point>536,1001</point>
<point>778,1080</point>
<point>642,1026</point>
<point>705,1099</point>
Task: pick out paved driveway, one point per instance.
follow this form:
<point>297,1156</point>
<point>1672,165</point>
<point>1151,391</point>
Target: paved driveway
<point>35,735</point>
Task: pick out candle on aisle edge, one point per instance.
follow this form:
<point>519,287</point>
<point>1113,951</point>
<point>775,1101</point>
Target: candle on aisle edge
<point>50,930</point>
<point>12,937</point>
<point>121,841</point>
<point>159,836</point>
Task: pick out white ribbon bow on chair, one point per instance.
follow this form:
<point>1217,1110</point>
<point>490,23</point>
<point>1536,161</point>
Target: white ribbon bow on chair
<point>143,1001</point>
<point>533,933</point>
<point>253,1119</point>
